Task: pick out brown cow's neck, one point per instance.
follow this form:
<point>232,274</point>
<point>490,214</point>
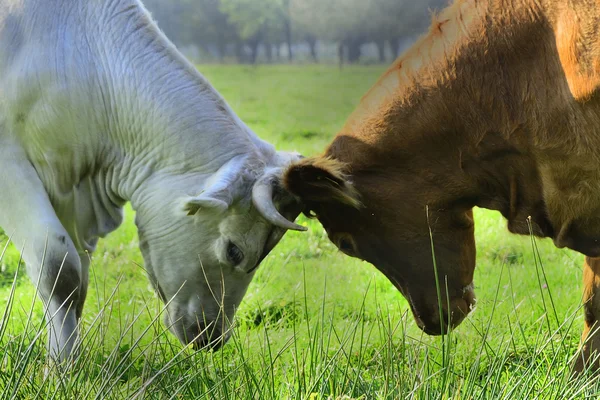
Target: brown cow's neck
<point>482,104</point>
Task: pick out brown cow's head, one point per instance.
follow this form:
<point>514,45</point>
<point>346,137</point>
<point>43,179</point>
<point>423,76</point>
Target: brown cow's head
<point>381,217</point>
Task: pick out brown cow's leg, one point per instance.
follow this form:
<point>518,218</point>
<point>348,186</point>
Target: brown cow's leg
<point>590,338</point>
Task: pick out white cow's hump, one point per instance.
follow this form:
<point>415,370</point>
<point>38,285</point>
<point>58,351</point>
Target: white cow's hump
<point>91,86</point>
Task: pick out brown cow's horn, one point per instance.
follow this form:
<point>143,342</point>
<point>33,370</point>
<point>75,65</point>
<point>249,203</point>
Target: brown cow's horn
<point>262,197</point>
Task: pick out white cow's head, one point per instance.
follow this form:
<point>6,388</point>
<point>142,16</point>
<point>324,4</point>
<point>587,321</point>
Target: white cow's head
<point>203,237</point>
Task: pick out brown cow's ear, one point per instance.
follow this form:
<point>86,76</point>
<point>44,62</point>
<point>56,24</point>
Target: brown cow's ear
<point>320,180</point>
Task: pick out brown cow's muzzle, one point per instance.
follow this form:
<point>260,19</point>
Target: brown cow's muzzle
<point>454,311</point>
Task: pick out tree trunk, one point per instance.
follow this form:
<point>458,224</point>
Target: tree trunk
<point>312,43</point>
<point>394,46</point>
<point>253,51</point>
<point>221,49</point>
<point>354,51</point>
<point>239,52</point>
<point>288,39</point>
<point>381,50</point>
<point>278,52</point>
<point>205,48</point>
<point>269,52</point>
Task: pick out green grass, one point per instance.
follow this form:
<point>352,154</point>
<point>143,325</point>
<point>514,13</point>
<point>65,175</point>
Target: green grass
<point>314,324</point>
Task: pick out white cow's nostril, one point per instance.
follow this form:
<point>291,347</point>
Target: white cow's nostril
<point>203,337</point>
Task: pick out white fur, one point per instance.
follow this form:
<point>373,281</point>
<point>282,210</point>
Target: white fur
<point>97,108</point>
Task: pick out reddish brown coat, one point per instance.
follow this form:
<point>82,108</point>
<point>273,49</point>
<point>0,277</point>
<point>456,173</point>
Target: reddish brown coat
<point>496,106</point>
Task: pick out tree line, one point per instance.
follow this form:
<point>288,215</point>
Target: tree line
<point>242,28</point>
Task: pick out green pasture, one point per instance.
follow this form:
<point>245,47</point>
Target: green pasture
<point>315,324</point>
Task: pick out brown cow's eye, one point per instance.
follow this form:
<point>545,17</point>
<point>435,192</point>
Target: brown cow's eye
<point>234,254</point>
<point>346,246</point>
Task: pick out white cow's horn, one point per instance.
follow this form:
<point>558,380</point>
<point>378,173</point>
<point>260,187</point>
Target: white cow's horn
<point>262,197</point>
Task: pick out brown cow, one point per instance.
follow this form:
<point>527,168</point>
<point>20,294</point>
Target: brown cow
<point>497,106</point>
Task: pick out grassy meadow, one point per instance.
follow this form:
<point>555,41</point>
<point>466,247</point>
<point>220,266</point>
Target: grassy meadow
<point>315,324</point>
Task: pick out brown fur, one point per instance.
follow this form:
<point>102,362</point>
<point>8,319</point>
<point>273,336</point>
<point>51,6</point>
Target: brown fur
<point>590,338</point>
<point>496,106</point>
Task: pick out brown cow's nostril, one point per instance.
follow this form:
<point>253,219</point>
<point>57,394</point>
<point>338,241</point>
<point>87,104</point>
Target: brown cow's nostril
<point>436,323</point>
<point>434,328</point>
<point>445,318</point>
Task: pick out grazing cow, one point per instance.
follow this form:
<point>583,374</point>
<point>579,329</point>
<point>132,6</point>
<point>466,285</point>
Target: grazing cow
<point>497,106</point>
<point>98,108</point>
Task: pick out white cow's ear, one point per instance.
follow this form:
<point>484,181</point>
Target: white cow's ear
<point>194,204</point>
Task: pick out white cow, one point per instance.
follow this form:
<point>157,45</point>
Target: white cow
<point>98,108</point>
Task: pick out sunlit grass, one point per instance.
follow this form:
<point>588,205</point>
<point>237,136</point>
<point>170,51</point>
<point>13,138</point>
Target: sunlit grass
<point>308,348</point>
<point>314,324</point>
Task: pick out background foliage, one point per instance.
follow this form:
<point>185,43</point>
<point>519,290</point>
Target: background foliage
<point>277,29</point>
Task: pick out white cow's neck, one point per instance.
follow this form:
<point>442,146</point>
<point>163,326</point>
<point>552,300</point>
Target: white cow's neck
<point>136,109</point>
<point>164,117</point>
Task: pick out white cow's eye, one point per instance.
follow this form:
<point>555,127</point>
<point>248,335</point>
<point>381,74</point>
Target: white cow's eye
<point>234,254</point>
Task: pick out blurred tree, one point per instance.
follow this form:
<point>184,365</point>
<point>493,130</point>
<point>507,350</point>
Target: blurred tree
<point>219,26</point>
<point>198,22</point>
<point>260,21</point>
<point>352,23</point>
<point>339,21</point>
<point>400,19</point>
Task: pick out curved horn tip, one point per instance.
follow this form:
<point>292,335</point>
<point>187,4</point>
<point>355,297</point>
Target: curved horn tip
<point>298,228</point>
<point>262,198</point>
